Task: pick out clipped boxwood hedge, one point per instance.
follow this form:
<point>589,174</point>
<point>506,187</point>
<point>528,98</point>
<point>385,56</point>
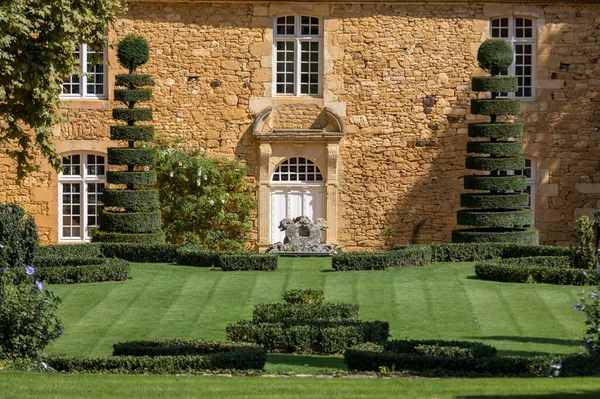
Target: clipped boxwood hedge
<point>520,273</point>
<point>491,201</point>
<point>141,253</point>
<point>304,312</point>
<point>229,361</point>
<point>304,296</point>
<point>247,261</point>
<point>133,81</point>
<point>131,115</point>
<point>224,355</point>
<point>135,178</point>
<point>491,235</point>
<point>132,133</point>
<point>70,260</point>
<point>132,222</point>
<point>440,348</point>
<point>495,183</point>
<point>110,270</point>
<point>116,237</point>
<point>415,364</point>
<point>495,107</point>
<point>132,156</point>
<point>132,200</point>
<point>495,130</point>
<point>470,217</point>
<point>495,84</point>
<point>500,163</point>
<point>409,256</point>
<point>199,257</point>
<point>86,250</point>
<point>495,148</point>
<point>127,95</point>
<point>317,337</point>
<point>547,261</point>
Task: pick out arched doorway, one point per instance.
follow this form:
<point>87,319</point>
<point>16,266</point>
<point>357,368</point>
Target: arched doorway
<point>297,189</point>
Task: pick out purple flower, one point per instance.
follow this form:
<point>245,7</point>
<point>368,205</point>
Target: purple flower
<point>582,308</point>
<point>4,270</point>
<point>59,332</point>
<point>576,306</point>
<point>584,273</point>
<point>1,246</point>
<point>594,295</point>
<point>39,284</point>
<point>30,270</point>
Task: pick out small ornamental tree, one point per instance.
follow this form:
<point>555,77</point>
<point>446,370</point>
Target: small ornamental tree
<point>497,212</point>
<point>132,213</point>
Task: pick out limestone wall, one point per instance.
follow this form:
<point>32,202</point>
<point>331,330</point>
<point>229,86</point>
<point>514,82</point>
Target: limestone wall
<point>398,75</point>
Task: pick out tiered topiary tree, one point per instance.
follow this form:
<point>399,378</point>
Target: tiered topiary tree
<point>498,214</point>
<point>132,214</point>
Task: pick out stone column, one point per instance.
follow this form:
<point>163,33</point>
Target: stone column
<point>332,192</point>
<point>264,197</point>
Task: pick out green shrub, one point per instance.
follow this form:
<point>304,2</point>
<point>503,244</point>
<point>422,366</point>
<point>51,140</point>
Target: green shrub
<point>495,163</point>
<point>229,361</point>
<point>127,95</point>
<point>589,304</point>
<point>18,235</point>
<point>584,253</point>
<point>133,178</point>
<point>316,337</point>
<point>416,364</point>
<point>406,256</point>
<point>205,200</point>
<point>491,201</point>
<point>131,222</point>
<point>304,296</point>
<point>495,56</point>
<point>514,273</point>
<point>514,235</point>
<point>197,256</point>
<point>440,348</point>
<point>27,313</point>
<point>109,270</point>
<point>132,156</point>
<point>496,84</point>
<point>69,250</point>
<point>494,217</point>
<point>495,107</point>
<point>495,183</point>
<point>133,51</point>
<point>141,253</point>
<point>496,130</point>
<point>131,115</point>
<point>132,133</point>
<point>247,261</point>
<point>132,200</point>
<point>58,261</point>
<point>546,261</point>
<point>304,312</point>
<point>497,148</point>
<point>155,238</point>
<point>133,81</point>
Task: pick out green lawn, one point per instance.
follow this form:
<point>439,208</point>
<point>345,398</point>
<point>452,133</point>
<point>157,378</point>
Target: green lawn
<point>441,301</point>
<point>30,385</point>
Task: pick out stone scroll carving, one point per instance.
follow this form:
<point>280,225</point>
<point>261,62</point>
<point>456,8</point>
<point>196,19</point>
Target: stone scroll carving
<point>302,235</point>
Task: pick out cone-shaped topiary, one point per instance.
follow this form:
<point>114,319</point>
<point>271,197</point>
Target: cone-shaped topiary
<point>498,215</point>
<point>131,214</point>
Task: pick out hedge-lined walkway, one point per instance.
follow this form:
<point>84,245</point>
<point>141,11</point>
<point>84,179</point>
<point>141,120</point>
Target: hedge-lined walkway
<point>441,301</point>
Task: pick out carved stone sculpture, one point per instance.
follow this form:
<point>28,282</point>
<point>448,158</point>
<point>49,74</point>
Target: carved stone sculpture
<point>302,235</point>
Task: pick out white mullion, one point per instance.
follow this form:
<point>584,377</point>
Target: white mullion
<point>297,62</point>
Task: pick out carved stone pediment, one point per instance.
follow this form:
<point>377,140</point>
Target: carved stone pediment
<point>326,126</point>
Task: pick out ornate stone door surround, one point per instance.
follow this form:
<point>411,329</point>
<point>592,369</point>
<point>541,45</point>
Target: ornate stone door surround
<point>275,145</point>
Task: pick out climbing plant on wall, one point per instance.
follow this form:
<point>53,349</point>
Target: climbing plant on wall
<point>131,213</point>
<point>497,212</point>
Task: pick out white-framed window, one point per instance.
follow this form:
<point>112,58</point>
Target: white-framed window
<point>80,187</point>
<point>521,34</point>
<point>298,55</point>
<point>297,170</point>
<point>91,81</point>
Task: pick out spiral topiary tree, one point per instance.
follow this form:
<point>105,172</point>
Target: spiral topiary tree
<point>498,214</point>
<point>131,213</point>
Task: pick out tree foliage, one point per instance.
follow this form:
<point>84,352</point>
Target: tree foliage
<point>36,54</point>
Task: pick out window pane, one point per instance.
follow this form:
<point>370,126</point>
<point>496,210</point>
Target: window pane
<point>95,71</point>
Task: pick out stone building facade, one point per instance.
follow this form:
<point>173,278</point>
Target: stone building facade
<point>372,97</point>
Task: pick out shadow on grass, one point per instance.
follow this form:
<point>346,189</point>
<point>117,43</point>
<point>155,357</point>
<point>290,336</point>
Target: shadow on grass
<point>319,362</point>
<point>530,340</point>
<point>580,395</point>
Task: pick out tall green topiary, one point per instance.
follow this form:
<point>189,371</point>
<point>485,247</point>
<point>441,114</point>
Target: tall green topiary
<point>132,213</point>
<point>498,214</point>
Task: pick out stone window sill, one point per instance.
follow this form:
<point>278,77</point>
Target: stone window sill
<point>85,104</point>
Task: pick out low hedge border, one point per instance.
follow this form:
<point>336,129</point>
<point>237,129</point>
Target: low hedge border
<point>495,130</point>
<point>495,107</point>
<point>132,133</point>
<point>475,252</point>
<point>142,253</point>
<point>499,366</point>
<point>316,338</point>
<point>440,348</point>
<point>248,261</point>
<point>132,114</point>
<point>501,218</point>
<point>134,200</point>
<point>407,256</point>
<point>135,178</point>
<point>131,222</point>
<point>133,81</point>
<point>495,183</point>
<point>192,256</point>
<point>127,95</point>
<point>547,261</point>
<point>131,156</point>
<point>112,237</point>
<point>500,163</point>
<point>518,273</point>
<point>525,236</point>
<point>69,250</point>
<point>304,312</point>
<point>178,347</point>
<point>494,201</point>
<point>497,148</point>
<point>110,270</point>
<point>494,84</point>
<point>304,296</point>
<point>76,260</point>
